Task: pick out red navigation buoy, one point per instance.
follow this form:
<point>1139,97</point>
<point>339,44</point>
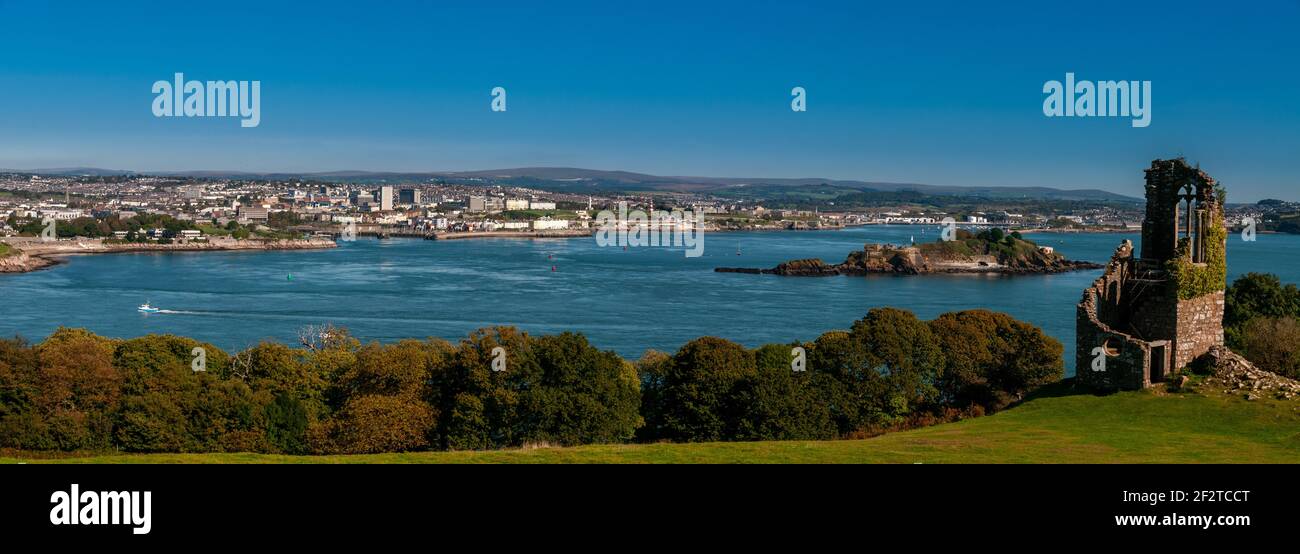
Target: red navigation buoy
<point>552,268</point>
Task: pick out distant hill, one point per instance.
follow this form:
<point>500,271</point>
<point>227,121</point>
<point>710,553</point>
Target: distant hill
<point>71,171</point>
<point>722,184</point>
<point>579,180</point>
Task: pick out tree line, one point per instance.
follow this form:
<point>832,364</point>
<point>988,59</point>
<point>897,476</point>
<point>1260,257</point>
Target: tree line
<point>500,387</point>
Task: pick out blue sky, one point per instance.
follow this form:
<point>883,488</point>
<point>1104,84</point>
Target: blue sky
<point>930,92</point>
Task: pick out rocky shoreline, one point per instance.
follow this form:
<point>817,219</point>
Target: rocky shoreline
<point>22,263</point>
<point>33,255</point>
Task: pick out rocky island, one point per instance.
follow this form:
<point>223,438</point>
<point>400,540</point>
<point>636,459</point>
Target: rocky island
<point>990,251</point>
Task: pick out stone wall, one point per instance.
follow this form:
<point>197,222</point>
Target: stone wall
<point>1154,315</point>
<point>1104,320</point>
<point>1200,327</point>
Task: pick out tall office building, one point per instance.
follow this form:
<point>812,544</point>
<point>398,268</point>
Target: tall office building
<point>385,198</point>
<point>408,196</point>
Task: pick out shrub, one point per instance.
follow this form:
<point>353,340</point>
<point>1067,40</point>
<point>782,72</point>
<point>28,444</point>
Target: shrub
<point>1273,344</point>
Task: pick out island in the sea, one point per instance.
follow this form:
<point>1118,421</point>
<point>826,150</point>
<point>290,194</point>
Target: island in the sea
<point>990,251</point>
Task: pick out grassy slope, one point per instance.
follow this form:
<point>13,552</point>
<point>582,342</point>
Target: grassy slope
<point>1131,427</point>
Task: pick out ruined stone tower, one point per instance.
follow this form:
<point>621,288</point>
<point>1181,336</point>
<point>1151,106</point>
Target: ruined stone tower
<point>1149,315</point>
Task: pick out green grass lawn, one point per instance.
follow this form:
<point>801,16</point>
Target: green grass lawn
<point>1131,427</point>
<point>5,250</point>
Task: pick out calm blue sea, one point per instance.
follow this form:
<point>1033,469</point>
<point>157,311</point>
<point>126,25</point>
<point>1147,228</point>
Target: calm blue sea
<point>627,301</point>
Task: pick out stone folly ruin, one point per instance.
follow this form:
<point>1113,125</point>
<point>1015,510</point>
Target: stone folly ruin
<point>1151,314</point>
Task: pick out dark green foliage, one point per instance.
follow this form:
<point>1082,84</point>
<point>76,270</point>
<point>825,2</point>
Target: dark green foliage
<point>704,392</point>
<point>1256,295</point>
<point>286,424</point>
<point>553,390</point>
<point>785,404</point>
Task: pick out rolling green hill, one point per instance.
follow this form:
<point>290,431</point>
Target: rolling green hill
<point>1050,427</point>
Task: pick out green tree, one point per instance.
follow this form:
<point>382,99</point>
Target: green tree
<point>787,405</point>
<point>705,392</point>
<point>909,357</point>
<point>1256,295</point>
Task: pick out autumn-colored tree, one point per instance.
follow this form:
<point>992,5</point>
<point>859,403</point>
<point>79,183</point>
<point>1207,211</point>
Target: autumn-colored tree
<point>381,398</point>
<point>78,388</point>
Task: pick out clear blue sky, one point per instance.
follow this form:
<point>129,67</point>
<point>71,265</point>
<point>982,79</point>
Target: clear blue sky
<point>932,92</point>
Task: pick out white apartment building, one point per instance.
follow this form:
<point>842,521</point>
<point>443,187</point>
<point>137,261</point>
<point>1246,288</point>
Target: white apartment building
<point>546,224</point>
